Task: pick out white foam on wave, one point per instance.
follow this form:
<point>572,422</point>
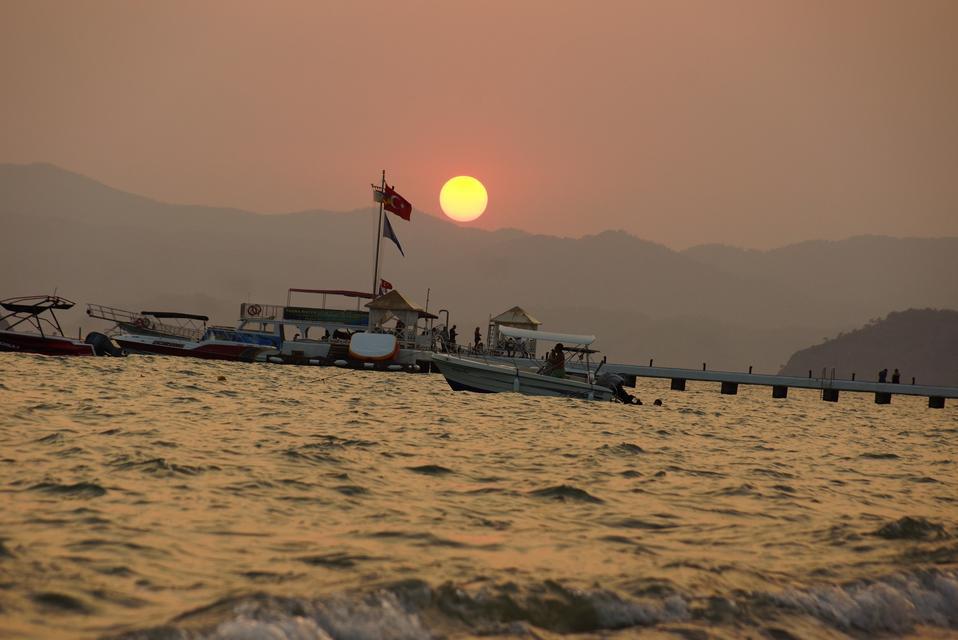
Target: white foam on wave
<point>246,628</point>
<point>893,604</point>
<point>896,603</point>
<point>379,615</point>
<point>616,613</point>
<point>382,615</point>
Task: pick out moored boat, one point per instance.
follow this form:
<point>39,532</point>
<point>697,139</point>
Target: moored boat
<point>39,314</point>
<point>193,339</point>
<point>473,373</point>
<point>393,335</point>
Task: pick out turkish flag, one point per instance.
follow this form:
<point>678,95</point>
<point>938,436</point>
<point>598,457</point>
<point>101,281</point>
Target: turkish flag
<point>394,202</point>
<point>384,287</point>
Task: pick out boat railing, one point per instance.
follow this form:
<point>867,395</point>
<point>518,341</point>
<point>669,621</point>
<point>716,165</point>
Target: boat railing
<point>138,321</point>
<point>111,314</point>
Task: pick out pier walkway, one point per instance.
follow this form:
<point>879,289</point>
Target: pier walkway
<point>830,387</point>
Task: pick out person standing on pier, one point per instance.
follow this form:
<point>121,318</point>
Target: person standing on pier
<point>476,339</point>
<point>895,377</point>
<point>883,375</point>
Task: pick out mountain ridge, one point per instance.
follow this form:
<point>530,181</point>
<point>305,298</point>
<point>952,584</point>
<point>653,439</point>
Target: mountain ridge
<point>921,343</point>
<point>103,245</point>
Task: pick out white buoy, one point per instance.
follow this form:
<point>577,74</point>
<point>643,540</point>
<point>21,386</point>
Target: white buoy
<point>340,363</point>
<point>275,359</point>
<point>415,368</point>
<point>369,365</point>
<point>314,361</point>
<point>395,367</point>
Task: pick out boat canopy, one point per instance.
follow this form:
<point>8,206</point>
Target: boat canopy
<point>334,292</point>
<point>174,314</point>
<point>35,304</point>
<point>515,315</point>
<point>565,338</point>
<point>395,301</point>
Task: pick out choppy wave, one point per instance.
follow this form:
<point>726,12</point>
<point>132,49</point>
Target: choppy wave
<point>896,603</point>
<point>413,610</point>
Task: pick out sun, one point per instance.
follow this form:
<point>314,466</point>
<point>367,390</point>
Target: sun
<point>463,198</point>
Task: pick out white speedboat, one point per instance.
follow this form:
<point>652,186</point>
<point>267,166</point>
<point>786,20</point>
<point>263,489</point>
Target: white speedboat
<point>472,373</point>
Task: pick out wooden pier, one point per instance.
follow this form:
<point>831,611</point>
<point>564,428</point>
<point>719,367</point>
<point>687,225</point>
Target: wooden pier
<point>829,387</point>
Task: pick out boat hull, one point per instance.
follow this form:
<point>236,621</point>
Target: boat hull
<point>207,350</point>
<point>12,341</point>
<point>464,374</point>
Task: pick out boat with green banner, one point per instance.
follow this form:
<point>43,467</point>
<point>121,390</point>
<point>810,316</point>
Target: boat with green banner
<point>387,332</point>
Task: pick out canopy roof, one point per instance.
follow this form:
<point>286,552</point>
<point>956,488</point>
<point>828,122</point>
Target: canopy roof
<point>35,304</point>
<point>516,315</point>
<point>335,292</point>
<point>175,314</point>
<point>565,338</point>
<point>395,301</point>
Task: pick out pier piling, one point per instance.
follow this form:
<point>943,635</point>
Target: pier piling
<point>779,391</point>
<point>936,402</point>
<point>678,384</point>
<point>729,388</point>
<point>830,395</point>
<point>882,397</point>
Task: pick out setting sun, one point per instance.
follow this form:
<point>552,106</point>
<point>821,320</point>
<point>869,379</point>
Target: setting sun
<point>463,198</point>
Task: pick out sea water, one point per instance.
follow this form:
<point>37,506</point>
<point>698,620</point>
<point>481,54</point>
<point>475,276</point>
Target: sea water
<point>152,497</point>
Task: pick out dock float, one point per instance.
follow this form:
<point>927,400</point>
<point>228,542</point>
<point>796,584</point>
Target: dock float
<point>829,387</point>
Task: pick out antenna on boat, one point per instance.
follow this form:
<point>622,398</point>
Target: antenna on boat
<point>379,237</point>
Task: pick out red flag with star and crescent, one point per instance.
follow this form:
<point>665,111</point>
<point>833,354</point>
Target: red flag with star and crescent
<point>395,203</point>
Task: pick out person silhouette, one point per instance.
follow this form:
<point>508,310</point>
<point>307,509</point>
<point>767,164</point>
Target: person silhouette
<point>895,377</point>
<point>883,375</point>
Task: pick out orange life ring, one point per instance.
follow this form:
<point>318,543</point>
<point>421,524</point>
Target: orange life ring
<point>254,310</point>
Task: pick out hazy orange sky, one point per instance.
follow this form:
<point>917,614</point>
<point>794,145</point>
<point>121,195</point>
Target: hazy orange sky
<point>750,123</point>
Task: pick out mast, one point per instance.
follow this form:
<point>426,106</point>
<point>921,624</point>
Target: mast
<point>379,237</point>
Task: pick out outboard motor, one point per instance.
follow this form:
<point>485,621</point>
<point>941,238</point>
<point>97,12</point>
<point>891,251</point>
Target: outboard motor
<point>103,346</point>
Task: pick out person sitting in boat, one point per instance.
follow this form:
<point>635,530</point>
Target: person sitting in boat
<point>555,362</point>
<point>521,349</point>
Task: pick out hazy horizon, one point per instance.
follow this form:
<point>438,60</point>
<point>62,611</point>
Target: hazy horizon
<point>364,207</point>
<point>744,123</point>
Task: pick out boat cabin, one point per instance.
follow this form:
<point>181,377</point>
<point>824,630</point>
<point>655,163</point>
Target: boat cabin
<point>497,343</point>
<point>394,313</point>
<point>324,323</point>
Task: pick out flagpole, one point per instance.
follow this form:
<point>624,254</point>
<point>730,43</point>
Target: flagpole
<point>379,237</point>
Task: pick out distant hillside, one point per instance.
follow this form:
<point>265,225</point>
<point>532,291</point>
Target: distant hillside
<point>921,343</point>
<point>729,307</point>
